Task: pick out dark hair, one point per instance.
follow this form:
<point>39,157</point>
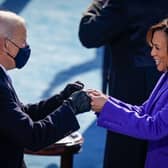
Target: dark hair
<point>161,26</point>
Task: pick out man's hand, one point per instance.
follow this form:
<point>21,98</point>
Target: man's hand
<point>79,101</point>
<point>71,88</point>
<point>102,1</point>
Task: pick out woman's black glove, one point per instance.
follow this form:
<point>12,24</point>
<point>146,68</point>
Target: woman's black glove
<point>71,88</point>
<point>79,102</point>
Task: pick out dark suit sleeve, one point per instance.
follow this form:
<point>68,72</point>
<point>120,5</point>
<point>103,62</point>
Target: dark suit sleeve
<point>40,110</point>
<point>99,25</point>
<point>22,130</point>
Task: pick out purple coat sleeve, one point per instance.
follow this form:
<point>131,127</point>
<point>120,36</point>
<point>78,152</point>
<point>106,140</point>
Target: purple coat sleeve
<point>134,121</point>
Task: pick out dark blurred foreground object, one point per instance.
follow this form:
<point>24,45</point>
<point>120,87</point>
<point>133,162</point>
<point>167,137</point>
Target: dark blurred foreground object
<point>65,148</point>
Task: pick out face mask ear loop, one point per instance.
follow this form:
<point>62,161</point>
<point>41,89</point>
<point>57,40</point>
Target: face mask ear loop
<point>7,50</point>
<point>13,43</point>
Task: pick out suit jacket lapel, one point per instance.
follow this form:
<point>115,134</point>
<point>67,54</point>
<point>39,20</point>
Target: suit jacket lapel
<point>9,83</point>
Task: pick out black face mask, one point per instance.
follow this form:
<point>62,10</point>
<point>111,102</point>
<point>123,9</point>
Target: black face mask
<point>22,56</point>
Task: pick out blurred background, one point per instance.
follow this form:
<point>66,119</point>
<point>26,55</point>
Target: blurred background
<point>58,58</point>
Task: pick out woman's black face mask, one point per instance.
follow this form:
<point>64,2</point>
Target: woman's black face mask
<point>22,55</point>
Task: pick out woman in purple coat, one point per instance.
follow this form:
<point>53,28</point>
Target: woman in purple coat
<point>150,120</point>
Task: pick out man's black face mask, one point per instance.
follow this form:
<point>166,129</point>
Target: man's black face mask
<point>22,55</point>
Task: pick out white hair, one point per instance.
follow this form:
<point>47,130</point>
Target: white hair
<point>9,22</point>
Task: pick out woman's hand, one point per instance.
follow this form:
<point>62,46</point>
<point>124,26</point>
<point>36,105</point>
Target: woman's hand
<point>98,99</point>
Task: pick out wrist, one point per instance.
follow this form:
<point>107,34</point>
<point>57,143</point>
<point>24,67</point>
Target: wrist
<point>63,95</point>
<point>70,104</point>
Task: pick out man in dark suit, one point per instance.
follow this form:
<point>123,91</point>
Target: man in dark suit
<point>31,126</point>
<point>121,25</point>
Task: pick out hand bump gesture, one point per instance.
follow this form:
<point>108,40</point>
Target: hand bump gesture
<point>98,99</point>
<point>80,102</point>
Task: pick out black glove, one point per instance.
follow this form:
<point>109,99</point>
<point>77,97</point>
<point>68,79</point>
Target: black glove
<point>79,102</point>
<point>70,88</point>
